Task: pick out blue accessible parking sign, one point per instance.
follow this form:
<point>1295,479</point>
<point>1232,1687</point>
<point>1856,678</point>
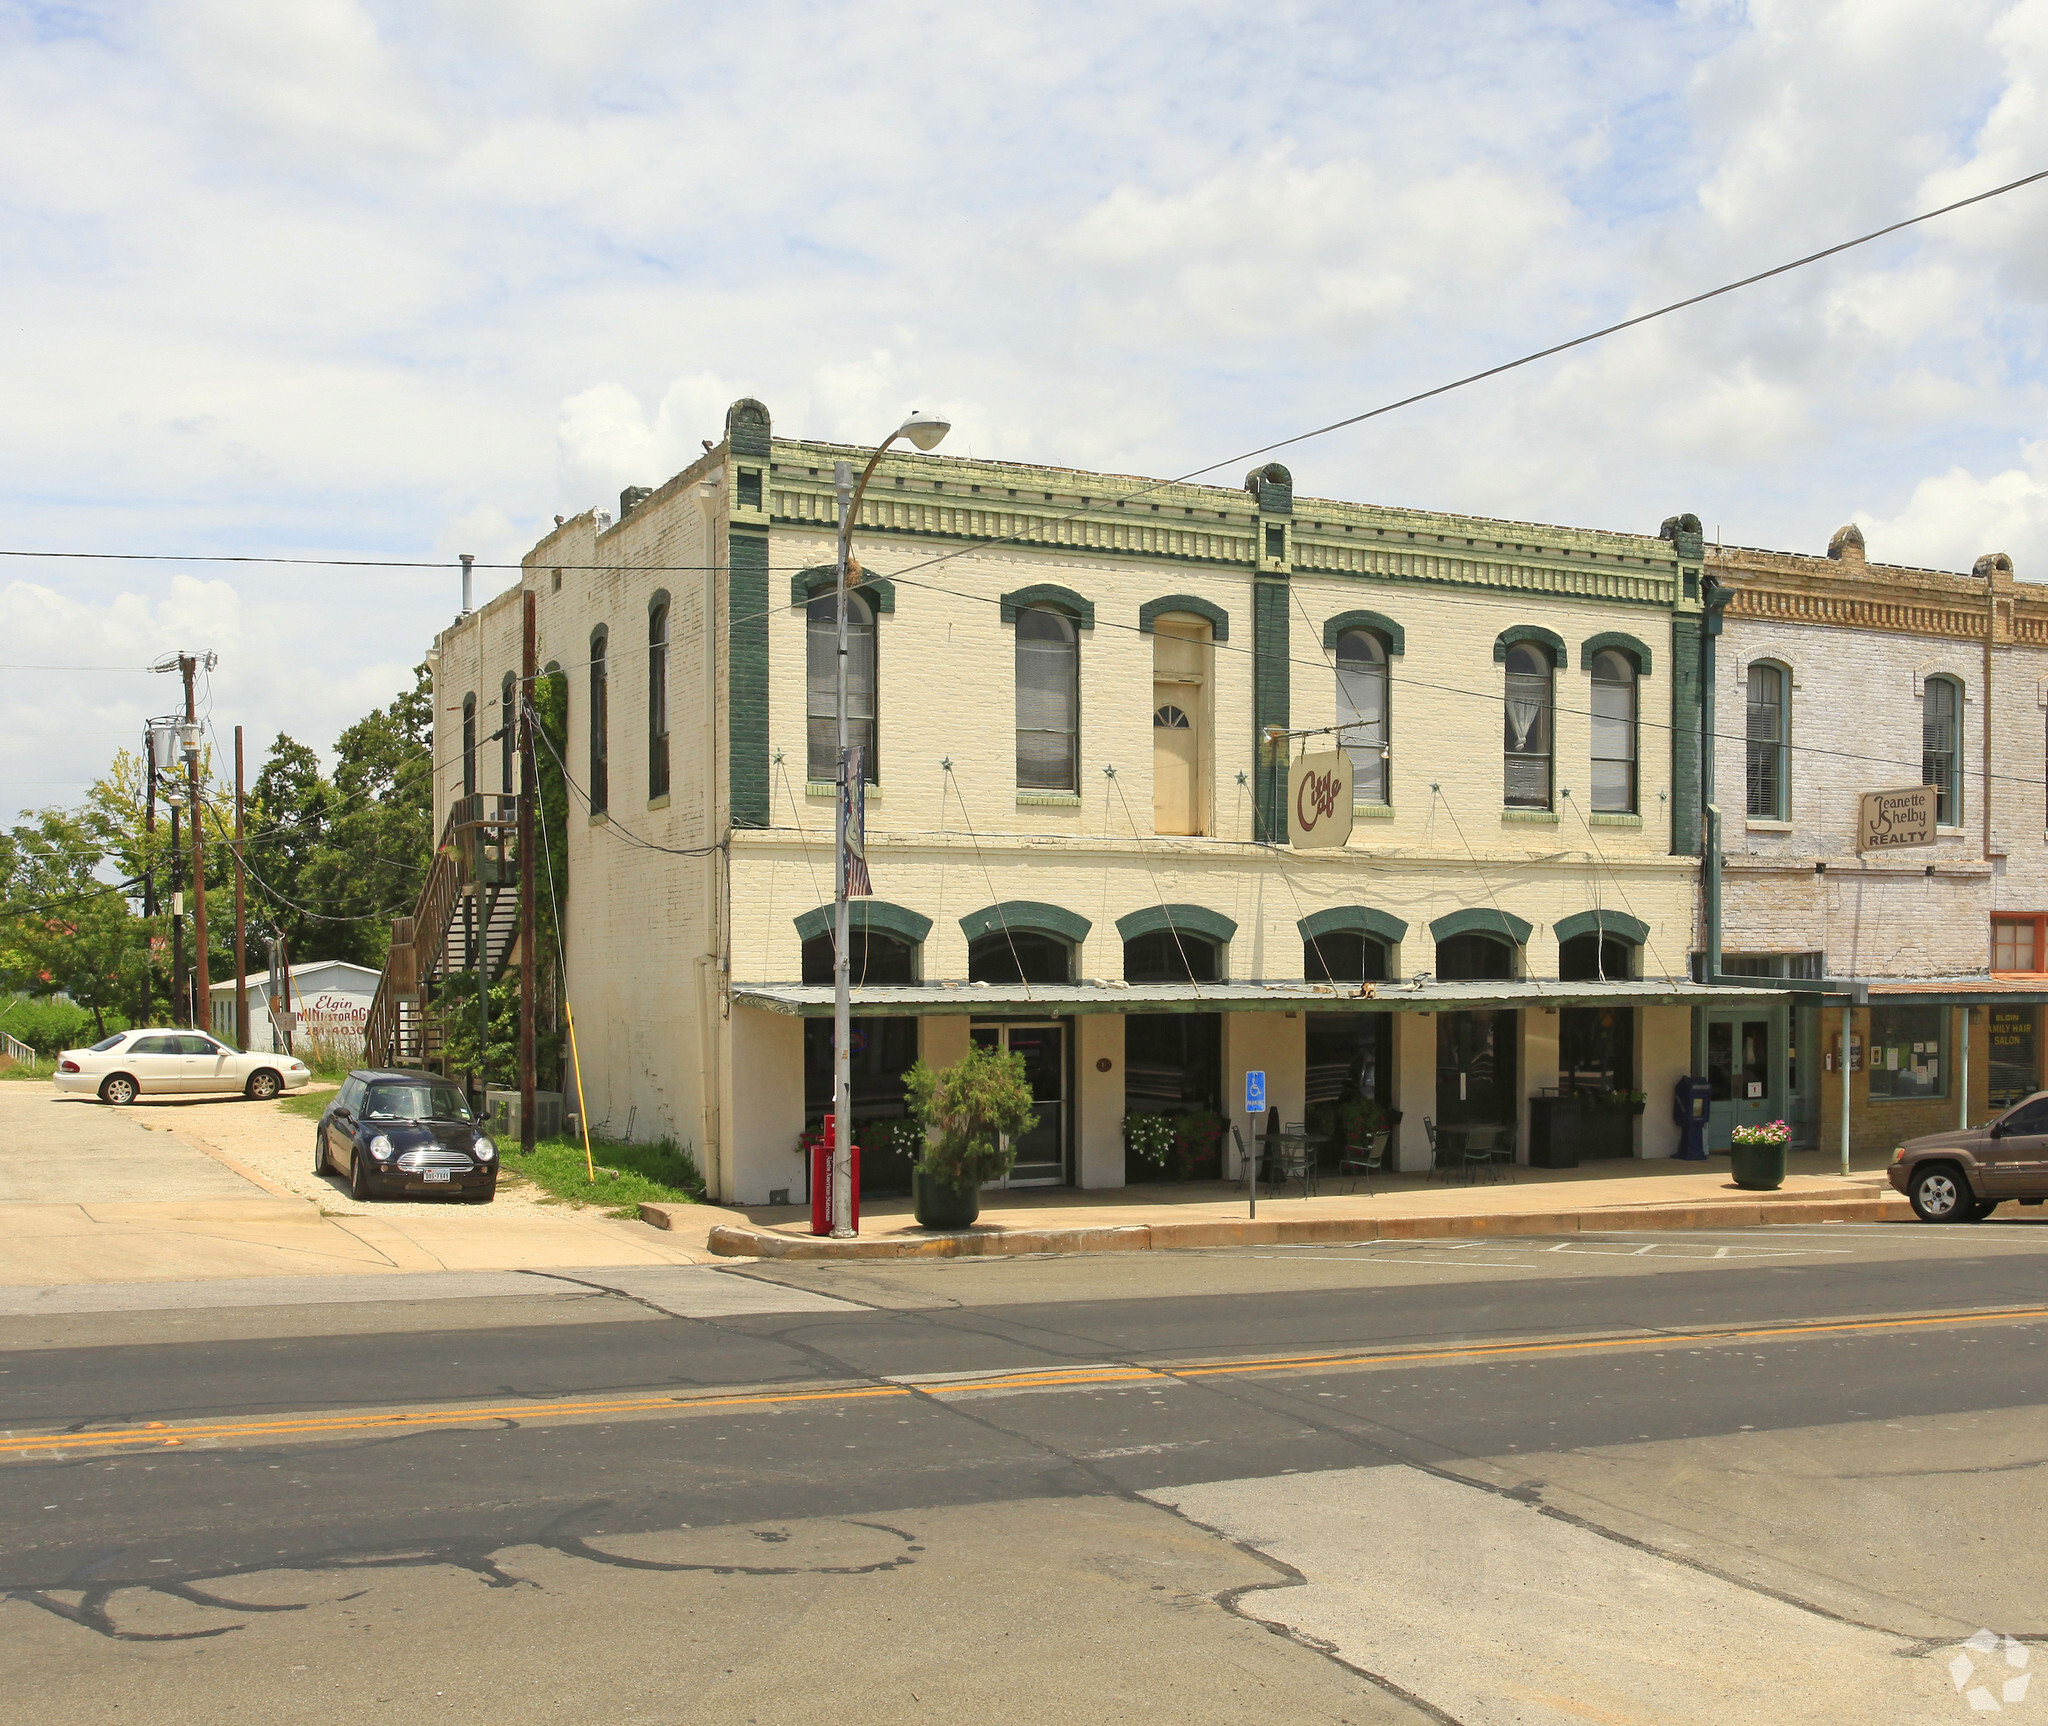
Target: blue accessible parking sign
<point>1255,1093</point>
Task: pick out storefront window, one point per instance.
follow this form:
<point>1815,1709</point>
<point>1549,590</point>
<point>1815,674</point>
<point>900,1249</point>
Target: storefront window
<point>1020,956</point>
<point>1474,957</point>
<point>870,959</point>
<point>1908,1052</point>
<point>2015,1054</point>
<point>1596,1049</point>
<point>1344,958</point>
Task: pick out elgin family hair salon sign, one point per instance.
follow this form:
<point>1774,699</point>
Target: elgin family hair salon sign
<point>1319,800</point>
<point>1893,820</point>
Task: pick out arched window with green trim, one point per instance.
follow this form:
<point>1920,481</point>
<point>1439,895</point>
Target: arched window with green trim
<point>1614,733</point>
<point>1048,701</point>
<point>821,680</point>
<point>1362,712</point>
<point>1527,715</point>
<point>1941,717</point>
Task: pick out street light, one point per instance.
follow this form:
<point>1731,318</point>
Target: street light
<point>925,431</point>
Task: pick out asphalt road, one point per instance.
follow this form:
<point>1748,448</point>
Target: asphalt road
<point>1770,1474</point>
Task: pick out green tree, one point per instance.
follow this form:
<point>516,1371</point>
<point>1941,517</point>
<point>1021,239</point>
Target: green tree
<point>64,928</point>
<point>287,824</point>
<point>972,1113</point>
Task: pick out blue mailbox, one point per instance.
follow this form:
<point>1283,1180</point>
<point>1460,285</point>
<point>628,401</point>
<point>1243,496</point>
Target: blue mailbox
<point>1692,1097</point>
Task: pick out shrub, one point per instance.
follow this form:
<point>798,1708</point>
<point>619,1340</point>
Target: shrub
<point>970,1112</point>
<point>48,1025</point>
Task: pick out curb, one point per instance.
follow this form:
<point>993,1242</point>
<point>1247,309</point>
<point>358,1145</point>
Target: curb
<point>732,1241</point>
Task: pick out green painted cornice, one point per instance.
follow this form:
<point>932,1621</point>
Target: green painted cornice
<point>1480,920</point>
<point>1617,923</point>
<point>1187,919</point>
<point>1354,920</point>
<point>1026,916</point>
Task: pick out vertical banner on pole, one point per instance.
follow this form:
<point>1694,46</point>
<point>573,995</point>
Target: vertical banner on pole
<point>855,793</point>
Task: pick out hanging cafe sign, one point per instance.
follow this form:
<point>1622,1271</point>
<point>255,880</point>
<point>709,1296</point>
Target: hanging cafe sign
<point>1894,820</point>
<point>1319,800</point>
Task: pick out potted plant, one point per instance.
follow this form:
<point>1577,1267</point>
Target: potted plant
<point>1148,1142</point>
<point>1756,1155</point>
<point>970,1112</point>
<point>1197,1144</point>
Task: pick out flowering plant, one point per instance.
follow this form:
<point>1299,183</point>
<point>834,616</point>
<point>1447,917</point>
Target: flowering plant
<point>1765,1133</point>
<point>1149,1138</point>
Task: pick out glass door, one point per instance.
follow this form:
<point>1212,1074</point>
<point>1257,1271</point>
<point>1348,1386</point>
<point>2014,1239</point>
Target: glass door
<point>1041,1149</point>
<point>1743,1073</point>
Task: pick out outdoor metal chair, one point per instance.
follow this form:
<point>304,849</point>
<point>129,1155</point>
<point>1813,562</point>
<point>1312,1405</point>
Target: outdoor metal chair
<point>1290,1157</point>
<point>1366,1160</point>
<point>1486,1151</point>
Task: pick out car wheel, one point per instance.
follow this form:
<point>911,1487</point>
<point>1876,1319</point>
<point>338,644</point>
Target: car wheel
<point>1939,1195</point>
<point>1982,1209</point>
<point>117,1088</point>
<point>320,1149</point>
<point>262,1086</point>
<point>358,1177</point>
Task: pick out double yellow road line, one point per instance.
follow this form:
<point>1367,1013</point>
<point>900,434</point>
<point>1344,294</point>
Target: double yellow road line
<point>159,1435</point>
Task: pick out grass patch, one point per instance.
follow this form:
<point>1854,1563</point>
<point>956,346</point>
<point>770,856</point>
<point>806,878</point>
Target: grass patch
<point>10,1069</point>
<point>309,1104</point>
<point>627,1175</point>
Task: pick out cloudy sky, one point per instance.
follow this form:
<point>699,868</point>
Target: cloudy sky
<point>348,278</point>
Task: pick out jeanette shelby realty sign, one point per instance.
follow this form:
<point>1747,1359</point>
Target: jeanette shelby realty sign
<point>1893,820</point>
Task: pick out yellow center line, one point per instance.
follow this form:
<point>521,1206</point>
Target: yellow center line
<point>164,1433</point>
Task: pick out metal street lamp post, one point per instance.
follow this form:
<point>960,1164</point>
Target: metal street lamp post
<point>924,430</point>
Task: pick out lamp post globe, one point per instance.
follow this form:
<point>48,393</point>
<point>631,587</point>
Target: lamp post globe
<point>925,430</point>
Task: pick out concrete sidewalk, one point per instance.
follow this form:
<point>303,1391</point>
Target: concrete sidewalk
<point>1633,1195</point>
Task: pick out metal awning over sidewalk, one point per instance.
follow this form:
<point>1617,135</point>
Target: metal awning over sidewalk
<point>937,1000</point>
<point>1835,993</point>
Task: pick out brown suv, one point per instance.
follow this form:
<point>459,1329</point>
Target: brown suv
<point>1962,1176</point>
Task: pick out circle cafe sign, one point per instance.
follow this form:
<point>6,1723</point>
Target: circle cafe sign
<point>1319,800</point>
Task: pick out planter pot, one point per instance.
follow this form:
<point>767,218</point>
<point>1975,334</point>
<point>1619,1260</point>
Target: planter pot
<point>940,1206</point>
<point>1761,1168</point>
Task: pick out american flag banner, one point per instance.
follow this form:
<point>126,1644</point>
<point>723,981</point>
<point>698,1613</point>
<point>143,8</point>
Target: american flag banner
<point>854,792</point>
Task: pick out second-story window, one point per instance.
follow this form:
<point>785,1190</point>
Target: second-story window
<point>657,699</point>
<point>1527,744</point>
<point>469,746</point>
<point>600,721</point>
<point>1940,724</point>
<point>1614,733</point>
<point>821,659</point>
<point>1766,737</point>
<point>1048,701</point>
<point>1362,712</point>
<point>508,730</point>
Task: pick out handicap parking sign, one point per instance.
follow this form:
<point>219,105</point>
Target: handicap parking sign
<point>1255,1093</point>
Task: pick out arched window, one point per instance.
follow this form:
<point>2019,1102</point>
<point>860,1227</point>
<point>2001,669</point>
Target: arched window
<point>1527,716</point>
<point>872,958</point>
<point>1769,730</point>
<point>1474,957</point>
<point>1171,956</point>
<point>821,659</point>
<point>1614,733</point>
<point>1362,711</point>
<point>657,699</point>
<point>1020,956</point>
<point>1596,958</point>
<point>1940,723</point>
<point>508,730</point>
<point>600,721</point>
<point>1048,701</point>
<point>469,746</point>
<point>1344,957</point>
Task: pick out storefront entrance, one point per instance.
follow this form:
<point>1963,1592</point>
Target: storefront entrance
<point>2015,1065</point>
<point>1475,1069</point>
<point>882,1051</point>
<point>1042,1149</point>
<point>1744,1069</point>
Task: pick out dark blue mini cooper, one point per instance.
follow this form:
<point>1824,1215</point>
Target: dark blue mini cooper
<point>403,1132</point>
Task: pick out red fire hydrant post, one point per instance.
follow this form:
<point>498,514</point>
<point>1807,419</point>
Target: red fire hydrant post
<point>822,1153</point>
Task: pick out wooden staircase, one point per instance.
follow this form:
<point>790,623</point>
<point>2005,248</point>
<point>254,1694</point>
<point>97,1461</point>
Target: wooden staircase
<point>466,920</point>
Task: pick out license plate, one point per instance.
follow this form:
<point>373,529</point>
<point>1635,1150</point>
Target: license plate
<point>436,1174</point>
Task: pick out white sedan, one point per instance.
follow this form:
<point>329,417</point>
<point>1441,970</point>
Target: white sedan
<point>164,1063</point>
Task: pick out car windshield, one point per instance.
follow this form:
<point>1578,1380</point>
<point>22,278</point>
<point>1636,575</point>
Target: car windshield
<point>415,1103</point>
<point>106,1043</point>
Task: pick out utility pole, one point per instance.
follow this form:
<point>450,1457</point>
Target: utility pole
<point>528,932</point>
<point>148,868</point>
<point>241,912</point>
<point>202,993</point>
<point>181,997</point>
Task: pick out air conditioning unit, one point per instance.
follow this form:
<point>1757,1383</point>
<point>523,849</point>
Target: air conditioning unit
<point>502,1114</point>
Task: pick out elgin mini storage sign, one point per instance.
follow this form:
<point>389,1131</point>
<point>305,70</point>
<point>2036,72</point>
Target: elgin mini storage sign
<point>1894,820</point>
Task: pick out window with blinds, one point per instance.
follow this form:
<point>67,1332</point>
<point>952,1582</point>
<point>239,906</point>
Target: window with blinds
<point>1614,734</point>
<point>1362,712</point>
<point>1766,744</point>
<point>1048,702</point>
<point>822,681</point>
<point>1941,707</point>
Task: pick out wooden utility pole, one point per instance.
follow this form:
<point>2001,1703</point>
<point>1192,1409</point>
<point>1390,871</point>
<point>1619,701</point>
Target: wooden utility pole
<point>202,992</point>
<point>528,932</point>
<point>181,996</point>
<point>148,869</point>
<point>241,913</point>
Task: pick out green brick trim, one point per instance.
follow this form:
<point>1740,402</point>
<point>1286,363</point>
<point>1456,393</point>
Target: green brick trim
<point>1602,923</point>
<point>1624,644</point>
<point>1217,618</point>
<point>807,584</point>
<point>747,431</point>
<point>1050,593</point>
<point>1385,628</point>
<point>1182,919</point>
<point>1272,667</point>
<point>1354,920</point>
<point>1026,916</point>
<point>1685,734</point>
<point>746,608</point>
<point>1478,920</point>
<point>864,915</point>
<point>1517,633</point>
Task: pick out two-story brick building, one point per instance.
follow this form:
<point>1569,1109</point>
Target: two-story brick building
<point>1076,693</point>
